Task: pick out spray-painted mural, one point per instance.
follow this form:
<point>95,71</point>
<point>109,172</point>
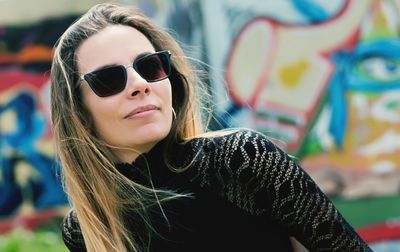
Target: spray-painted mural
<point>30,189</point>
<point>320,77</point>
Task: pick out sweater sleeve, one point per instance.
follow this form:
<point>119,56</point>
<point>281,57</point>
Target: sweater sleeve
<point>260,178</point>
<point>72,234</point>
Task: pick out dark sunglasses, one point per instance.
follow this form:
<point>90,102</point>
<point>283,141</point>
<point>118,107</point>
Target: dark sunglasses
<point>111,80</point>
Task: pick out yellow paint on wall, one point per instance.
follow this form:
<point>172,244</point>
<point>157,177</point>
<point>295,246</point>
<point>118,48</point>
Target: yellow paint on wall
<point>381,25</point>
<point>291,75</point>
<point>25,172</point>
<point>8,121</point>
<point>46,147</point>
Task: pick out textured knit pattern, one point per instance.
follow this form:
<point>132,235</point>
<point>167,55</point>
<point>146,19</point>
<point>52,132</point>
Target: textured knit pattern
<point>254,175</point>
<point>257,176</point>
<point>72,233</point>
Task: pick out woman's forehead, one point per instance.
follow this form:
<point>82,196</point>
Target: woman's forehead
<point>115,44</point>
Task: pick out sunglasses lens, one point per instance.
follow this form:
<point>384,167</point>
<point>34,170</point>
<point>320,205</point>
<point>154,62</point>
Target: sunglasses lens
<point>107,81</point>
<point>154,67</point>
<point>112,80</point>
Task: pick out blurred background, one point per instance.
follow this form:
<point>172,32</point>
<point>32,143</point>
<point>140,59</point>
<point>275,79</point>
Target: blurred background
<point>320,77</point>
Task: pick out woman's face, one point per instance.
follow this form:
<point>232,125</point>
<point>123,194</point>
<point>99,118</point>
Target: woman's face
<point>137,117</point>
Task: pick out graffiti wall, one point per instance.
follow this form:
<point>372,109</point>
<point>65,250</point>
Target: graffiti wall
<point>322,78</point>
<point>29,186</point>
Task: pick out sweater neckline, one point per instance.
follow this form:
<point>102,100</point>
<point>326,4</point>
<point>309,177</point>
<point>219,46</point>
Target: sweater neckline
<point>152,163</point>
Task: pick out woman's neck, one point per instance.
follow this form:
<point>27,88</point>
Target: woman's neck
<point>130,155</point>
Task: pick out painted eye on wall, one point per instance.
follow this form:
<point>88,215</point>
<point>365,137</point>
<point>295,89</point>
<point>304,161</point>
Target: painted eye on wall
<point>380,69</point>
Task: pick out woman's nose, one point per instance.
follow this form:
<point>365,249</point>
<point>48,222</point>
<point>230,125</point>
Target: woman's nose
<point>136,85</point>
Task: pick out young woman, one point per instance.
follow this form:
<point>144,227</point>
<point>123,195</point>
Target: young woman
<point>140,172</point>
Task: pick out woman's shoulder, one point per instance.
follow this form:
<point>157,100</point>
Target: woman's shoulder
<point>235,163</point>
<point>233,148</point>
<point>232,132</point>
<point>233,138</point>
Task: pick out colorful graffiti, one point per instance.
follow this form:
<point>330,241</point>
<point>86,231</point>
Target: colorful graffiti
<point>303,83</point>
<point>29,184</point>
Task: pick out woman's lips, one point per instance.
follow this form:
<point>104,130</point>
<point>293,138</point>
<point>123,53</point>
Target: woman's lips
<point>142,111</point>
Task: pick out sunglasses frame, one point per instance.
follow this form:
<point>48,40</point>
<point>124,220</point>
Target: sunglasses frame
<point>134,65</point>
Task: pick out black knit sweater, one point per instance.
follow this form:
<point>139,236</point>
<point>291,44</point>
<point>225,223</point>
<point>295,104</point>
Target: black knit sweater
<point>248,195</point>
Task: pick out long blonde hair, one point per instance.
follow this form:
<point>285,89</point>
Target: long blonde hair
<point>99,194</point>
